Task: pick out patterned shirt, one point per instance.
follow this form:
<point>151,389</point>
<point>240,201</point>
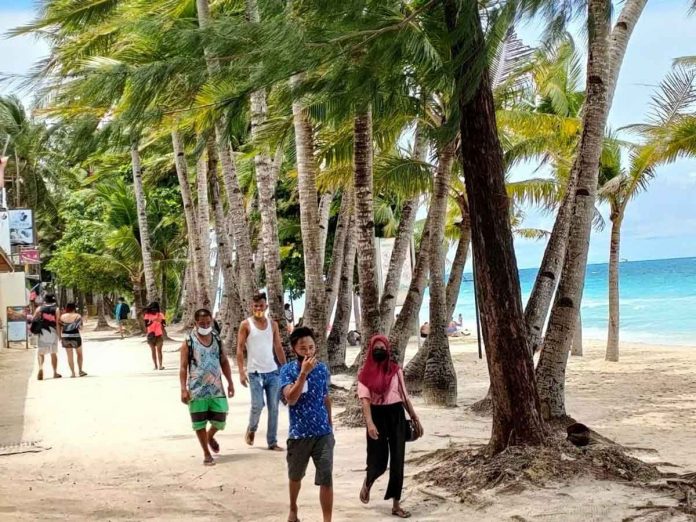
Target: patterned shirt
<point>205,373</point>
<point>308,416</point>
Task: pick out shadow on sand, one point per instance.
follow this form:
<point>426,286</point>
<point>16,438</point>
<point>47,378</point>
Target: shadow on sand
<point>16,366</point>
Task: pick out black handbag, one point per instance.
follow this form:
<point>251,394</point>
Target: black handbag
<point>413,430</point>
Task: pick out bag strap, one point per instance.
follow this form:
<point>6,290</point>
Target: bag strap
<point>402,390</point>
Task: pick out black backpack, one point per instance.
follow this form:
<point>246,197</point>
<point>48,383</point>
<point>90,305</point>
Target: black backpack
<point>189,344</point>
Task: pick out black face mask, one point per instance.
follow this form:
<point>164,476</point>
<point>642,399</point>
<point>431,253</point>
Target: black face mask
<point>379,355</point>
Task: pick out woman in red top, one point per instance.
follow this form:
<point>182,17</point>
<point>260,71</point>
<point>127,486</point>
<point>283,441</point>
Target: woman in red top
<point>155,323</point>
<point>383,397</point>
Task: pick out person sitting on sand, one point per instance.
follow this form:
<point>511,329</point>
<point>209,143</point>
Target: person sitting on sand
<point>305,386</point>
<point>383,397</point>
<point>203,363</point>
<point>69,327</point>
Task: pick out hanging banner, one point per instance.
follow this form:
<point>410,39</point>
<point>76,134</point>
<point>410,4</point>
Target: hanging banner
<point>29,256</point>
<point>384,248</point>
<point>5,231</point>
<point>16,323</point>
<point>21,227</point>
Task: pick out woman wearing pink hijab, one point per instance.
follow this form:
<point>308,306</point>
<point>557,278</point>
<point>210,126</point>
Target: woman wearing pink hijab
<point>383,397</point>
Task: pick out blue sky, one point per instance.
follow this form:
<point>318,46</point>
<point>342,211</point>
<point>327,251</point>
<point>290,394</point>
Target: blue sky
<point>660,223</point>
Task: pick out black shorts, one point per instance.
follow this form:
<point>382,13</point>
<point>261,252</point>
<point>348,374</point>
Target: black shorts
<point>71,342</point>
<point>320,450</point>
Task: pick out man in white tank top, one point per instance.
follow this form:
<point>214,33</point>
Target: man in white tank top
<point>259,339</point>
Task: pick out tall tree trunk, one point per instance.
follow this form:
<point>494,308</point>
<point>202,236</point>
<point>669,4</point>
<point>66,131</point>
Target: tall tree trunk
<point>148,268</point>
<point>365,225</point>
<point>336,343</point>
<point>234,310</point>
<point>415,371</point>
<point>357,314</point>
<point>402,241</point>
<point>539,303</point>
<point>537,308</point>
<point>237,216</point>
<point>183,307</point>
<point>614,257</point>
<point>516,416</point>
<point>407,320</point>
<point>102,323</point>
<point>440,378</point>
<point>341,237</point>
<point>324,214</point>
<point>564,313</point>
<point>203,222</point>
<point>315,296</point>
<point>195,238</point>
<point>577,339</point>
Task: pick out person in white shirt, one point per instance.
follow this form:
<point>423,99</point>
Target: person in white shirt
<point>259,339</point>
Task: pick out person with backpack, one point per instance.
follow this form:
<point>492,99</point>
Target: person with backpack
<point>121,314</point>
<point>203,363</point>
<point>44,325</point>
<point>69,328</point>
<point>155,323</point>
<point>259,339</point>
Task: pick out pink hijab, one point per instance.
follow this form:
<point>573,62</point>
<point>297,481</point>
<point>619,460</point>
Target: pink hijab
<point>377,376</point>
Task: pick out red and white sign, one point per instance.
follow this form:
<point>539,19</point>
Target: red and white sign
<point>29,256</point>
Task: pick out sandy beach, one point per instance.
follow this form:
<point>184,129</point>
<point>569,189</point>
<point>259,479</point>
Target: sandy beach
<point>117,445</point>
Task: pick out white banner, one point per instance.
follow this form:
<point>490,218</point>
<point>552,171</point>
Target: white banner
<point>385,246</point>
<point>22,227</point>
<point>5,232</point>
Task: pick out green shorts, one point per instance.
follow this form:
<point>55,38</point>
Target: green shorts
<point>209,409</point>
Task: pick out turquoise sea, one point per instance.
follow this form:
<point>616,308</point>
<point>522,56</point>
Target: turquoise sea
<point>658,301</point>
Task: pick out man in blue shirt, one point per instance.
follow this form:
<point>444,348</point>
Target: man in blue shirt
<point>305,385</point>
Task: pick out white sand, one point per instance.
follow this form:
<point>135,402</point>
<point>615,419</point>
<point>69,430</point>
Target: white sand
<point>121,447</point>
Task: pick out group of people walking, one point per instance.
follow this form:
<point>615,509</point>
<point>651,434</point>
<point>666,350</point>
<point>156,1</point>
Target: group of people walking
<point>303,384</point>
<point>51,327</point>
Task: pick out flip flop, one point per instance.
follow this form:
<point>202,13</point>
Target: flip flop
<point>40,376</point>
<point>208,461</point>
<point>365,493</point>
<point>275,447</point>
<point>214,445</point>
<point>249,437</point>
<point>83,374</point>
<point>57,375</point>
<point>400,513</point>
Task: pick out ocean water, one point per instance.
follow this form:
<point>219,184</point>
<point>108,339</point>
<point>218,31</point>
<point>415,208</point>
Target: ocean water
<point>657,301</point>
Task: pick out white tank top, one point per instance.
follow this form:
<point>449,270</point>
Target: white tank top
<point>259,345</point>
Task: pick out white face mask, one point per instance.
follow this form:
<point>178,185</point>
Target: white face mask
<point>205,331</point>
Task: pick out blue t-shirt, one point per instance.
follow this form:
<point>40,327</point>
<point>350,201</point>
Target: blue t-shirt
<point>308,416</point>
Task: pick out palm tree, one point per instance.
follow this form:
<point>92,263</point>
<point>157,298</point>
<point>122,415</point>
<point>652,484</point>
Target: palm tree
<point>605,55</point>
<point>617,187</point>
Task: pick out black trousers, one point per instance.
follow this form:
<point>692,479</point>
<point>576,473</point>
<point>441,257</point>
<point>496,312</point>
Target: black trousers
<point>390,448</point>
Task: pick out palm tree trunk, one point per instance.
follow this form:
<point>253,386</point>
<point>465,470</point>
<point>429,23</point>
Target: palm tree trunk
<point>614,253</point>
<point>341,237</point>
<point>315,296</point>
<point>365,223</point>
<point>336,343</point>
<point>203,222</point>
<point>576,349</point>
<point>324,214</point>
<point>439,379</point>
<point>516,418</point>
<point>407,320</point>
<point>396,264</point>
<point>564,313</point>
<point>539,303</point>
<point>102,323</point>
<point>233,310</point>
<point>237,216</point>
<point>195,238</point>
<point>148,268</point>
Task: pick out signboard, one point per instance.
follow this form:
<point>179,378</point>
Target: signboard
<point>384,247</point>
<point>16,323</point>
<point>5,231</point>
<point>21,227</point>
<point>29,256</point>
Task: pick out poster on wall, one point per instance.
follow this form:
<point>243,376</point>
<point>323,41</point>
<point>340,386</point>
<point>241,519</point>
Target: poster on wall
<point>5,231</point>
<point>16,323</point>
<point>21,227</point>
